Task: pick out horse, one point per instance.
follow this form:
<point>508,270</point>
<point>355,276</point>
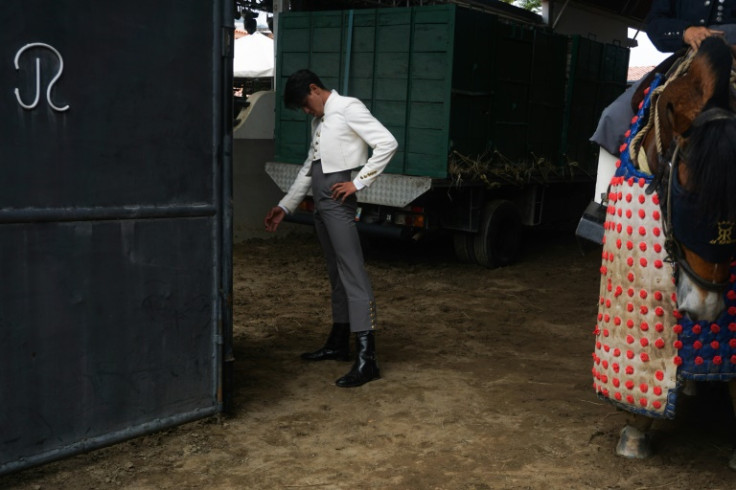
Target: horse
<point>697,119</point>
<point>682,157</point>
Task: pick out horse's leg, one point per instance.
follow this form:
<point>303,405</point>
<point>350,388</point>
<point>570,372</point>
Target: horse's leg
<point>634,442</point>
<point>732,392</point>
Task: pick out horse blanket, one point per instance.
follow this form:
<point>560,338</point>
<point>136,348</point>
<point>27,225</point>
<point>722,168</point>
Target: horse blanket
<point>644,347</point>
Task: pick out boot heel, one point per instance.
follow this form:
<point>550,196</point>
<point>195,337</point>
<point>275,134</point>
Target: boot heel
<point>336,347</point>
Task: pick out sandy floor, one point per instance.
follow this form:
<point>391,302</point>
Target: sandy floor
<point>486,384</point>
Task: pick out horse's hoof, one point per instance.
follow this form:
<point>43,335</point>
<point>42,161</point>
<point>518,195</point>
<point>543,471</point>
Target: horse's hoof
<point>634,444</point>
<point>732,461</point>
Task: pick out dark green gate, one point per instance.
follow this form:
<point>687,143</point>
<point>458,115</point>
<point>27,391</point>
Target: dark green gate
<point>114,220</point>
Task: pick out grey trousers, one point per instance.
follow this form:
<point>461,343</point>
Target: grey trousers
<point>352,293</point>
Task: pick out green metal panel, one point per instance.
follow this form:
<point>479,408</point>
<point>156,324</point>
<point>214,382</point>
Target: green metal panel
<point>443,78</point>
<point>428,119</point>
<point>597,75</point>
<point>547,103</point>
<point>399,63</point>
<point>586,58</point>
<point>615,64</point>
<point>508,89</point>
<point>511,77</point>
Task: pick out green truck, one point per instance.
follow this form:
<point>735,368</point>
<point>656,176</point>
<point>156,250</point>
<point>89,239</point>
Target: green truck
<point>492,117</point>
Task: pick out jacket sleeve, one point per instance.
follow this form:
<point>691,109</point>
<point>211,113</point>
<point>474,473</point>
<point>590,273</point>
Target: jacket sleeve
<point>382,142</point>
<point>299,188</point>
<point>666,26</point>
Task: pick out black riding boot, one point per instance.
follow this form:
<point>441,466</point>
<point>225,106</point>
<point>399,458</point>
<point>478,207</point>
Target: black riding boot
<point>337,345</point>
<point>365,368</point>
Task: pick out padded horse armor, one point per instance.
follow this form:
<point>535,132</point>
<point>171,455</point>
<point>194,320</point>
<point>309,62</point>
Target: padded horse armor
<point>644,346</point>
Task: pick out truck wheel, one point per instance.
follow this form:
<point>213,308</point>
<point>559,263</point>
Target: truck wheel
<point>499,238</point>
<point>464,246</point>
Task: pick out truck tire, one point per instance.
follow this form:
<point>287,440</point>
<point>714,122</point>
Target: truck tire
<point>499,238</point>
<point>464,246</point>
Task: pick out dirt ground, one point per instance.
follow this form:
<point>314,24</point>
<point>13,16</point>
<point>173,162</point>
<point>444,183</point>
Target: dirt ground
<point>486,385</point>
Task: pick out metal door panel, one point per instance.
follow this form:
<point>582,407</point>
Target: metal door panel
<point>114,221</point>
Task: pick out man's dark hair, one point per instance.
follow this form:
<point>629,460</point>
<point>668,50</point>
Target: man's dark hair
<point>297,88</point>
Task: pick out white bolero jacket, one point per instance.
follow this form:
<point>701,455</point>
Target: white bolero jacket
<point>348,130</point>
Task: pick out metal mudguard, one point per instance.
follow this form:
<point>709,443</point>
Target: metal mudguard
<point>388,190</point>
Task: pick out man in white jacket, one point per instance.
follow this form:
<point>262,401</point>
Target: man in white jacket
<point>343,130</point>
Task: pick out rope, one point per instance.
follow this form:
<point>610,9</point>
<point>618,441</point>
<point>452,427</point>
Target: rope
<point>675,72</point>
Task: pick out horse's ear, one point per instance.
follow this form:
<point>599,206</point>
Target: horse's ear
<point>686,96</point>
<point>703,79</point>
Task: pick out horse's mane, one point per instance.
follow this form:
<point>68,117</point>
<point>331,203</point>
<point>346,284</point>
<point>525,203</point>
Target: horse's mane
<point>720,58</point>
<point>711,147</point>
<point>711,167</point>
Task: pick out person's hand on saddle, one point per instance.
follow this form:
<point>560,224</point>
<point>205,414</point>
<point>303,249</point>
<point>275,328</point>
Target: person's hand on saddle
<point>274,217</point>
<point>694,35</point>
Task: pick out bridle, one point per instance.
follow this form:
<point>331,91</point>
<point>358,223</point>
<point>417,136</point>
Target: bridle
<point>668,170</point>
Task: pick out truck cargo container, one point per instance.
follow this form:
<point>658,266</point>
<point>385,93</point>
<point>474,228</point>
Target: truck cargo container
<point>492,117</point>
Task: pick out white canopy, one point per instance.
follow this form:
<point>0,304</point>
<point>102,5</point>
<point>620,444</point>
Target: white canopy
<point>253,56</point>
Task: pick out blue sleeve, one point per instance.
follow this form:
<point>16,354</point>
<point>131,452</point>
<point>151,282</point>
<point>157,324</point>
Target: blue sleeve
<point>666,23</point>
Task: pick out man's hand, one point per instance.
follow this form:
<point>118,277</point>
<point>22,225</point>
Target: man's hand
<point>694,35</point>
<point>342,190</point>
<point>274,217</point>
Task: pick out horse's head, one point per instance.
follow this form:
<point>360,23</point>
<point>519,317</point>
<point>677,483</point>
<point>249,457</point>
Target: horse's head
<point>698,140</point>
